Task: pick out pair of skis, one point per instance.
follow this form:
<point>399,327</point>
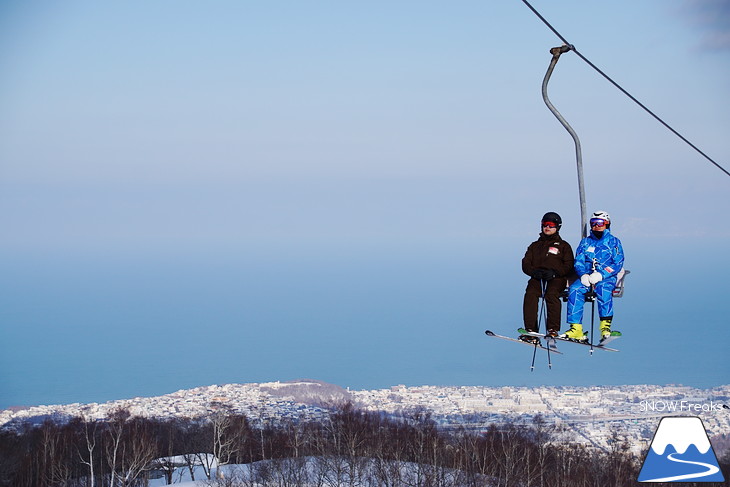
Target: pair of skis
<point>600,345</point>
<point>551,342</point>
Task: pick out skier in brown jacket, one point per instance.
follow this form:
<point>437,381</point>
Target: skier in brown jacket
<point>549,263</point>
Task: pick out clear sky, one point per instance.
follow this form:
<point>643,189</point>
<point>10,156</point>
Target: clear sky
<point>195,193</point>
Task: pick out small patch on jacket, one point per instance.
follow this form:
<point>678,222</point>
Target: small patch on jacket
<point>553,250</point>
<point>608,269</point>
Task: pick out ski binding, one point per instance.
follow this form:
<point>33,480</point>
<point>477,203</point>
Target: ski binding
<point>549,348</point>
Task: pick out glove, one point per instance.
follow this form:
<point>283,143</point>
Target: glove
<point>585,280</point>
<point>543,274</point>
<point>538,274</point>
<point>595,278</point>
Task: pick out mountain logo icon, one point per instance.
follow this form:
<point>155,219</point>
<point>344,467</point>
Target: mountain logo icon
<point>680,452</point>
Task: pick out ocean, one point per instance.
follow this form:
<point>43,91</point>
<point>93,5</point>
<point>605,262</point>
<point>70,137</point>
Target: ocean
<point>91,328</point>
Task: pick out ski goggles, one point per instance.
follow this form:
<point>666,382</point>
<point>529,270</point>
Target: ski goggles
<point>597,222</point>
<point>549,225</point>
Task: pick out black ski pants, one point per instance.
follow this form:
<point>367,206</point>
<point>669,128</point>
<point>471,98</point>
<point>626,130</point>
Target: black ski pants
<point>533,292</point>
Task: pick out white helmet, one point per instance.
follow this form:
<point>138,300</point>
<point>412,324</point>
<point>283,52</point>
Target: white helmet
<point>602,215</point>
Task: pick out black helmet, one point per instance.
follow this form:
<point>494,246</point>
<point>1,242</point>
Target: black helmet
<point>551,216</point>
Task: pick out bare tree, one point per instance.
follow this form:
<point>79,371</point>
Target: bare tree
<point>55,462</point>
<point>128,446</point>
<point>207,462</point>
<point>194,442</point>
<point>619,463</point>
<point>223,444</point>
<point>168,437</point>
<point>139,450</point>
<point>113,444</point>
<point>86,448</point>
<point>10,452</point>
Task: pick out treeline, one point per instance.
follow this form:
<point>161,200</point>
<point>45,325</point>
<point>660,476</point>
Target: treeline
<point>350,448</point>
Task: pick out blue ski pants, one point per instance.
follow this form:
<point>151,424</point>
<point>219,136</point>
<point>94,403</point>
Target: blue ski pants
<point>604,296</point>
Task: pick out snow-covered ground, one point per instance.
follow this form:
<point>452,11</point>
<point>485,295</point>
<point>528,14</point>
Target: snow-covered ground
<point>311,471</point>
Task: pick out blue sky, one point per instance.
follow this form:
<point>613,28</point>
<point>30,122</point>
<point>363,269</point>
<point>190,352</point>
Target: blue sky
<point>247,191</point>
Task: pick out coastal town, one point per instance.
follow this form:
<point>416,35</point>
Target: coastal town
<point>595,415</point>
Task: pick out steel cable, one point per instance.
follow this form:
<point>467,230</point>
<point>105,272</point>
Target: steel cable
<point>572,48</point>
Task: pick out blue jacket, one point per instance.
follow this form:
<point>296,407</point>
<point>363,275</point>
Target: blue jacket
<point>607,251</point>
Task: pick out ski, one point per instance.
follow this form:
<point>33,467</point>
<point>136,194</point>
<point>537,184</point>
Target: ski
<point>600,345</point>
<point>614,336</point>
<point>552,349</point>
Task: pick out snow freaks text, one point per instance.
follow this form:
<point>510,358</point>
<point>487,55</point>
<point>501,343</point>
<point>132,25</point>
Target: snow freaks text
<point>679,406</point>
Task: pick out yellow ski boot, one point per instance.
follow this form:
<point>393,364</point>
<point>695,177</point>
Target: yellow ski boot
<point>575,333</point>
<point>607,334</point>
<point>605,328</point>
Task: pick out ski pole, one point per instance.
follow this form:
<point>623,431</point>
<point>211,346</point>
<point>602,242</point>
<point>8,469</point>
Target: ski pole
<point>542,316</point>
<point>534,352</point>
<point>593,313</point>
<point>593,305</point>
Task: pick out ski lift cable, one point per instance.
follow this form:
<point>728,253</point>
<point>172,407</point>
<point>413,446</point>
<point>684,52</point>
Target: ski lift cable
<point>572,48</point>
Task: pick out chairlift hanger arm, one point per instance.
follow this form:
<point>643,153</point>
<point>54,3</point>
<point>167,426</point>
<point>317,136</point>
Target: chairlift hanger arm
<point>556,52</point>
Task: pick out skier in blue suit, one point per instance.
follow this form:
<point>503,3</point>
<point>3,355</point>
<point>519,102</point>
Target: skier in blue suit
<point>598,260</point>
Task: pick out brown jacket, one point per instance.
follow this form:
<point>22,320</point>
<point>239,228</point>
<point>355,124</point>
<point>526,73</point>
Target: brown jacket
<point>549,253</point>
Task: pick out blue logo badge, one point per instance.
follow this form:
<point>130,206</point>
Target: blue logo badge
<point>680,452</point>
